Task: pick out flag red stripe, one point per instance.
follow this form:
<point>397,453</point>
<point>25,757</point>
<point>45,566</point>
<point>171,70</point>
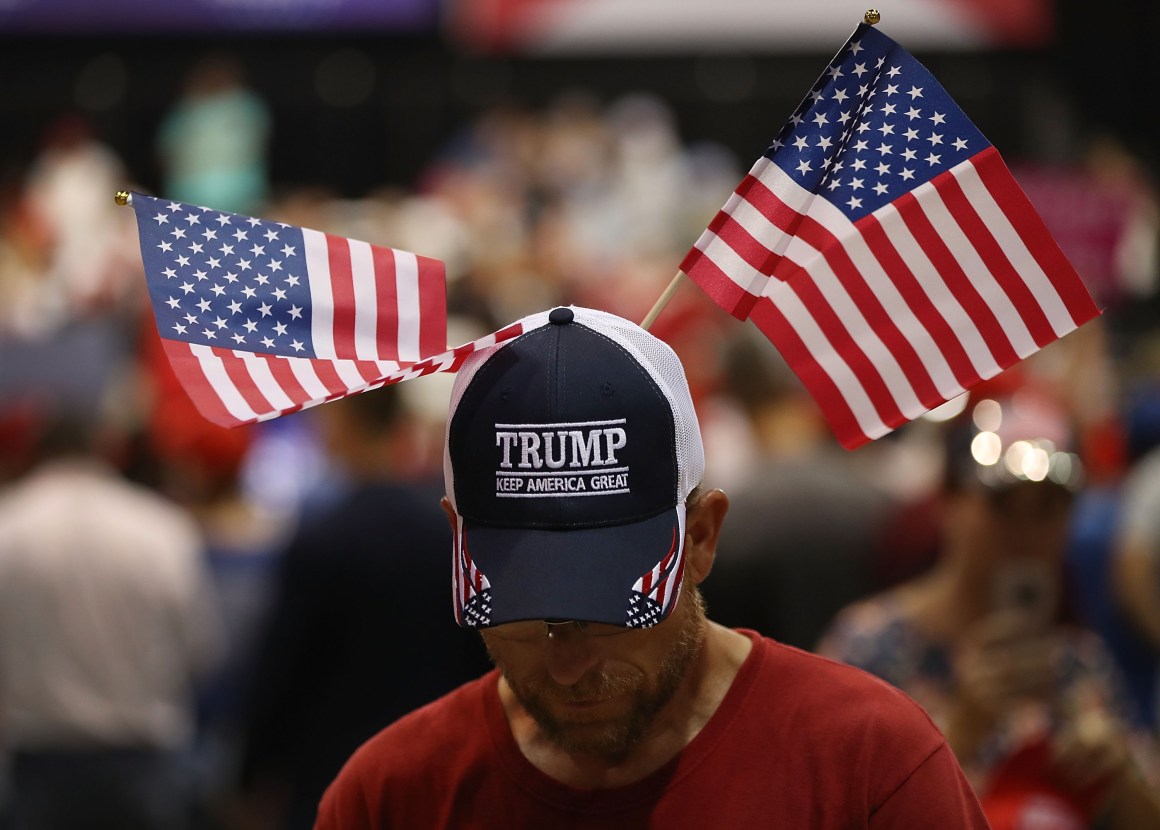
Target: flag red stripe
<point>284,377</point>
<point>919,301</point>
<point>717,284</point>
<point>342,288</point>
<point>988,249</point>
<point>1030,227</point>
<point>768,317</point>
<point>732,233</point>
<point>387,297</point>
<point>328,377</point>
<point>190,373</point>
<point>369,370</point>
<point>432,307</point>
<point>949,271</point>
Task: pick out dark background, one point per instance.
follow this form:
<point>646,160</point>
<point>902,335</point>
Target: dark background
<point>1100,75</point>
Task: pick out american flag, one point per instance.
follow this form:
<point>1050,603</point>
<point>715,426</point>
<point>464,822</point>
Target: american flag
<point>884,248</point>
<point>262,318</point>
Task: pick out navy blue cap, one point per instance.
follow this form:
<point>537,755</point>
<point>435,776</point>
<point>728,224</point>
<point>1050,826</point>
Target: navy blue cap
<point>570,452</point>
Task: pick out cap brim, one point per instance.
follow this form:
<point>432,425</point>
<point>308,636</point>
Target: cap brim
<point>626,575</point>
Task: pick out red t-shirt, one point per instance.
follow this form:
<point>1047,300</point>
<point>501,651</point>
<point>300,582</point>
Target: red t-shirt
<point>798,742</point>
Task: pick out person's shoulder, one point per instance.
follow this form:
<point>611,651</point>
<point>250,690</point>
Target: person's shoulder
<point>442,726</point>
<point>843,696</point>
<point>414,761</point>
<point>134,510</point>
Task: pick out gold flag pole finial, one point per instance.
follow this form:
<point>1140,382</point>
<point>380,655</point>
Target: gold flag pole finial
<point>872,16</point>
<point>123,197</point>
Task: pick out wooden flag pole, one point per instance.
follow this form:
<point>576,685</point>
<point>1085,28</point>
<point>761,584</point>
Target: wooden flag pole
<point>662,301</point>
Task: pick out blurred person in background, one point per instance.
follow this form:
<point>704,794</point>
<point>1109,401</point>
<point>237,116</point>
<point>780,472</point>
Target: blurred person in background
<point>1135,573</point>
<point>90,268</point>
<point>213,143</point>
<point>107,621</point>
<point>1033,705</point>
<point>200,466</point>
<point>354,639</point>
<point>803,521</point>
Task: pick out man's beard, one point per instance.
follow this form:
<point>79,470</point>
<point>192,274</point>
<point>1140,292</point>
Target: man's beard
<point>612,739</point>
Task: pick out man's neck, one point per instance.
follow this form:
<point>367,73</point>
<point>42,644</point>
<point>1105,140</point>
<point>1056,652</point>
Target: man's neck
<point>682,718</point>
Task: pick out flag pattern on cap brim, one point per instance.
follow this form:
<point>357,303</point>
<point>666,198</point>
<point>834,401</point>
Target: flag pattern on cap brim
<point>261,318</point>
<point>654,594</point>
<point>472,591</point>
<point>884,248</point>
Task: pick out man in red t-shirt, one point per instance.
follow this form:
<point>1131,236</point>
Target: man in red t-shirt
<point>573,468</point>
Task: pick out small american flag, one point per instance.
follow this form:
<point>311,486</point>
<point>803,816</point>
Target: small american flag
<point>884,248</point>
<point>262,318</point>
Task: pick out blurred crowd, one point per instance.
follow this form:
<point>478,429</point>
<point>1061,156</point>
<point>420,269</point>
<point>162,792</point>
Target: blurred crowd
<point>221,616</point>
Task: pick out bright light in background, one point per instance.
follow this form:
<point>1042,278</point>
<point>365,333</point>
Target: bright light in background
<point>946,411</point>
<point>988,415</point>
<point>640,26</point>
<point>986,448</point>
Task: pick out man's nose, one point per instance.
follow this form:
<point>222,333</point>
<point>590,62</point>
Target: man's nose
<point>570,655</point>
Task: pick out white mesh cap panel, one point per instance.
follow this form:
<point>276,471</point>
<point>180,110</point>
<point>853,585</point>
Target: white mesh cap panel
<point>654,356</point>
<point>662,363</point>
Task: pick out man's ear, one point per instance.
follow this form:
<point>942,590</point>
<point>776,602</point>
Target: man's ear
<point>452,519</point>
<point>702,530</point>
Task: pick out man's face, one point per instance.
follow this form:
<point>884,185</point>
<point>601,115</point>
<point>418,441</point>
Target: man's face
<point>598,695</point>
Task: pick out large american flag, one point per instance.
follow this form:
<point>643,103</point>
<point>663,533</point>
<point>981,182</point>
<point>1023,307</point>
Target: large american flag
<point>262,318</point>
<point>884,248</point>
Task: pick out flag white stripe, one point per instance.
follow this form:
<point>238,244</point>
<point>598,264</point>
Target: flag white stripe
<point>220,382</point>
<point>832,363</point>
<point>362,272</point>
<point>321,296</point>
<point>349,375</point>
<point>264,381</point>
<point>407,292</point>
<point>389,367</point>
<point>1015,249</point>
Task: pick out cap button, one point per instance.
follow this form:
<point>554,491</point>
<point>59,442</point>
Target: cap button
<point>560,316</point>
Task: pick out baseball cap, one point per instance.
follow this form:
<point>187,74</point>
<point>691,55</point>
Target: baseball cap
<point>570,452</point>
